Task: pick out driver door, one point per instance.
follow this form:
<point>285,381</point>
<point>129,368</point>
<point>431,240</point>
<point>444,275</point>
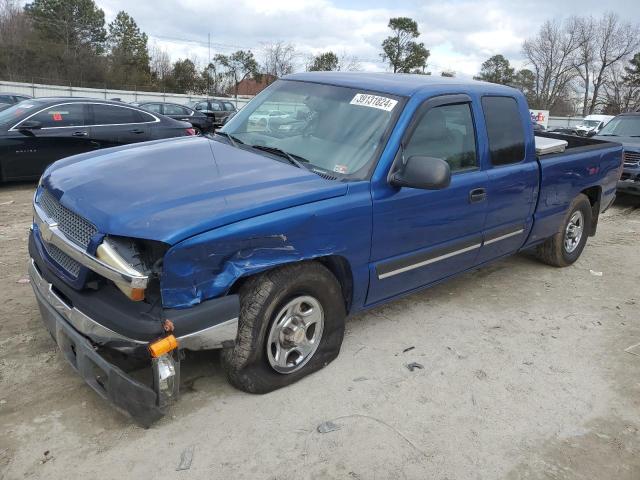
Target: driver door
<point>422,236</point>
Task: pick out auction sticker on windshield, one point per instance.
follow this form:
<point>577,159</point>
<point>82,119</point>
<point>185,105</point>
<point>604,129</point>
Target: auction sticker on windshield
<point>374,101</point>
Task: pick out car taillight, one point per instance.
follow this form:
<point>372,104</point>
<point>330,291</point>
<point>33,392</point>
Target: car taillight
<point>190,131</point>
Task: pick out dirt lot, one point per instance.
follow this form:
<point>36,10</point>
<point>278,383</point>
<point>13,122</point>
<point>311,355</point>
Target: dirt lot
<point>525,377</point>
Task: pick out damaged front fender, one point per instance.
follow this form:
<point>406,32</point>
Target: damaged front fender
<point>207,265</point>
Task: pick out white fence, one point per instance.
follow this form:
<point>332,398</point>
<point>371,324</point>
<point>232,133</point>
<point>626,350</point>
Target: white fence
<point>40,90</point>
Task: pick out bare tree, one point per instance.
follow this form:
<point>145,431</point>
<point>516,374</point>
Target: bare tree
<point>15,29</point>
<point>349,63</point>
<point>160,62</point>
<point>621,92</point>
<point>278,59</point>
<point>614,41</point>
<point>585,63</point>
<point>553,57</point>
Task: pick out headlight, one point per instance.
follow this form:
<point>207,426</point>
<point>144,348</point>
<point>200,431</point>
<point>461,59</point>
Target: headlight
<point>108,254</point>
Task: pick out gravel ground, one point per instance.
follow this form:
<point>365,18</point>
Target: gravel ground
<point>525,376</point>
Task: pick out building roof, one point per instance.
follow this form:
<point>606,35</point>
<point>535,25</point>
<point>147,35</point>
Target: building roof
<point>402,84</point>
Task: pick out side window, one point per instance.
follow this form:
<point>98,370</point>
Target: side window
<point>113,115</point>
<point>446,132</point>
<point>504,129</point>
<point>69,115</point>
<point>175,110</point>
<point>153,107</point>
<point>215,106</point>
<point>228,106</point>
<point>6,99</point>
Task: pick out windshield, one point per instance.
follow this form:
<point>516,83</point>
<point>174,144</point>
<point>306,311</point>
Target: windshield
<point>591,123</point>
<point>624,126</point>
<point>336,129</point>
<point>15,113</point>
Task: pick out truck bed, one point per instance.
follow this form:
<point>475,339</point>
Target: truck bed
<point>586,165</point>
<point>575,143</point>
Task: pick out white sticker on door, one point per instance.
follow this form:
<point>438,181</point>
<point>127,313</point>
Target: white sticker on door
<point>374,101</point>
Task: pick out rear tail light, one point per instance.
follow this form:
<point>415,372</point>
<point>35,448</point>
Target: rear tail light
<point>190,131</point>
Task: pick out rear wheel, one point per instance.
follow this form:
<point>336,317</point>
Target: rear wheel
<point>291,324</point>
<point>566,246</point>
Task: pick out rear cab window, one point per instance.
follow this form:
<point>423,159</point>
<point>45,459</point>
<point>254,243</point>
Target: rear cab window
<point>504,130</point>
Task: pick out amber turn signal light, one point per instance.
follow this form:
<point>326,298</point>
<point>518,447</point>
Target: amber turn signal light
<point>162,346</point>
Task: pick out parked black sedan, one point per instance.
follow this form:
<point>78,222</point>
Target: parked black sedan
<point>200,122</point>
<point>37,132</point>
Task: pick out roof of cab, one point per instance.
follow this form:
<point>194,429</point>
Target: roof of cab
<point>402,84</point>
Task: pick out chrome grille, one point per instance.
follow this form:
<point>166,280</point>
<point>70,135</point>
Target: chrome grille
<point>76,228</point>
<point>632,159</point>
<point>62,259</point>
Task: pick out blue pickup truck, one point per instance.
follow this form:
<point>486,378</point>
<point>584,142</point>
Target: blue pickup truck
<point>261,239</point>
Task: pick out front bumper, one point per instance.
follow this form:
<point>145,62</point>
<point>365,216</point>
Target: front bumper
<point>141,402</point>
<point>86,344</point>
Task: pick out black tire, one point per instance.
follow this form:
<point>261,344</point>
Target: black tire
<point>553,251</point>
<point>261,297</point>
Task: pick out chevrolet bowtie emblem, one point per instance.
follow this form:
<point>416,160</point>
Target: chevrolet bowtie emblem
<point>46,231</point>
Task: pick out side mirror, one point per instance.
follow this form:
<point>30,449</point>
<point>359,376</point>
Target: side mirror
<point>592,133</point>
<point>30,125</point>
<point>427,173</point>
<point>199,107</point>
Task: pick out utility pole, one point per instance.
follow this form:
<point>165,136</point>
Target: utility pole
<point>209,66</point>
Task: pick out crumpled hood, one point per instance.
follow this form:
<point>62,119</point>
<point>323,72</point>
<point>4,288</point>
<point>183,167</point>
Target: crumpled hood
<point>173,189</point>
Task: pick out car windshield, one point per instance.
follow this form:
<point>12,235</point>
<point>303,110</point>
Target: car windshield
<point>590,123</point>
<point>623,126</point>
<point>13,114</point>
<point>335,129</point>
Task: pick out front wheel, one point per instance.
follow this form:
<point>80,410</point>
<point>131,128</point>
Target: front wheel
<point>291,324</point>
<point>566,246</point>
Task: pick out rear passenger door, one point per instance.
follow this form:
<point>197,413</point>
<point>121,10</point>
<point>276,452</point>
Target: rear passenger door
<point>513,177</point>
<point>118,125</point>
<point>422,236</point>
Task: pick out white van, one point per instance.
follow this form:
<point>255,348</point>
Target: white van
<point>592,123</point>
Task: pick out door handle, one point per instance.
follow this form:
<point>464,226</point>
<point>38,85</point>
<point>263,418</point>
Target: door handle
<point>137,131</point>
<point>80,133</point>
<point>477,195</point>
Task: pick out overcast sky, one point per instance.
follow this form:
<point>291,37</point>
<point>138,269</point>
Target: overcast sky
<point>460,34</point>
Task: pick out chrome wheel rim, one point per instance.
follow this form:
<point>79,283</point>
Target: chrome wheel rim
<point>574,231</point>
<point>295,334</point>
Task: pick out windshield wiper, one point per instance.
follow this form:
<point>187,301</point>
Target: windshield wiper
<point>607,135</point>
<point>293,159</point>
<point>234,140</point>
